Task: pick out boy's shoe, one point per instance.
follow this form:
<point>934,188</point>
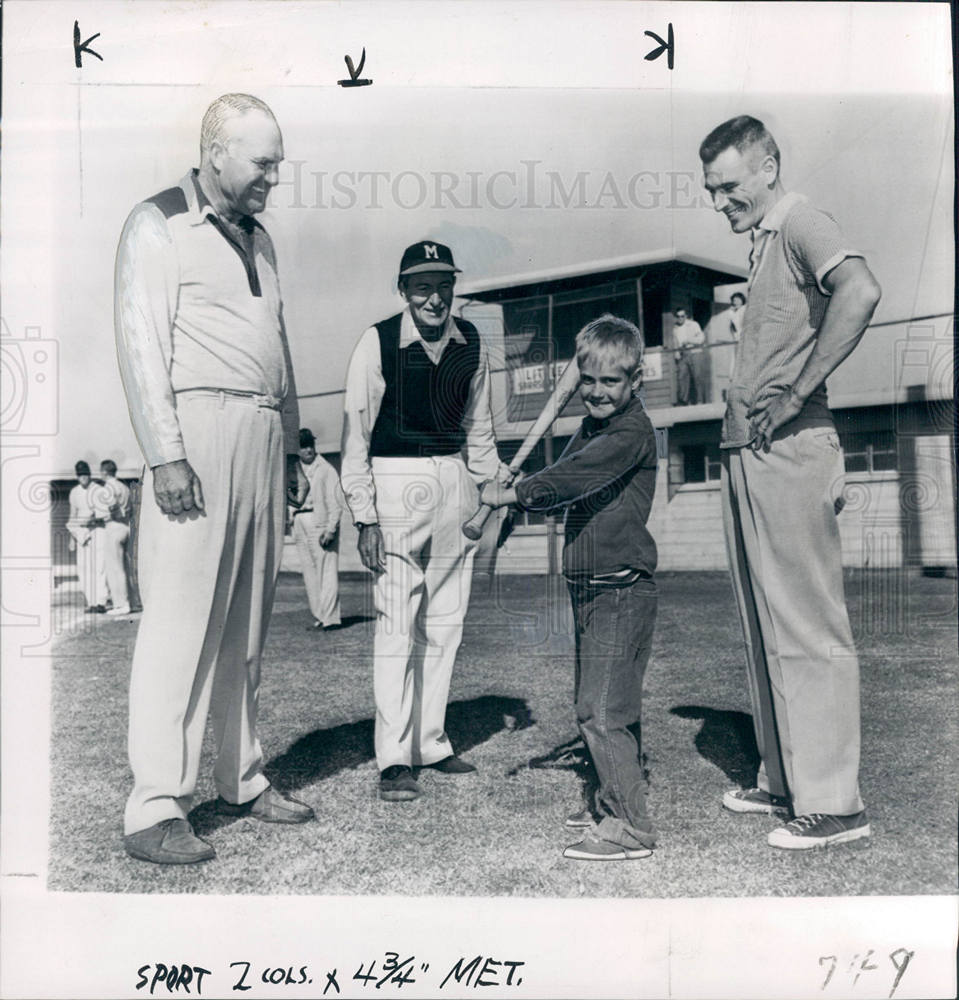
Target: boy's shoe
<point>594,848</point>
<point>819,830</point>
<point>397,784</point>
<point>581,820</point>
<point>754,800</point>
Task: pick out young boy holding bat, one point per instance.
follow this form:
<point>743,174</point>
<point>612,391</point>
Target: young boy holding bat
<point>605,478</point>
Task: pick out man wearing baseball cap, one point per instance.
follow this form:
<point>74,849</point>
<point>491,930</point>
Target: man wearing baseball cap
<point>86,530</point>
<point>417,438</point>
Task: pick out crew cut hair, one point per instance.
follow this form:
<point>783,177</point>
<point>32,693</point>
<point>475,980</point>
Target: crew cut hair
<point>222,110</point>
<point>613,339</point>
<point>738,133</point>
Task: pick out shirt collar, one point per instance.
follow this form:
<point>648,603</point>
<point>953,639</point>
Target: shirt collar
<point>201,208</point>
<point>409,334</point>
<point>775,216</point>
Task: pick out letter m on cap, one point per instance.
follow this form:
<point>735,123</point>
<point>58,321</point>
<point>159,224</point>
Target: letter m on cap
<point>431,252</point>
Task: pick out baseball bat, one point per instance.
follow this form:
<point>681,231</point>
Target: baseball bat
<point>565,386</point>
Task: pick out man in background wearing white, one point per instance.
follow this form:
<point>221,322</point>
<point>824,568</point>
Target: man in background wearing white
<point>112,504</point>
<point>316,531</point>
<point>86,530</point>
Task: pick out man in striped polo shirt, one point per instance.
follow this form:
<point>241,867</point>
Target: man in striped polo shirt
<point>417,438</point>
<point>810,300</point>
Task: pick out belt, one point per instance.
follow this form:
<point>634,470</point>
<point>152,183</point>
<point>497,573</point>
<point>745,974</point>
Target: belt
<point>308,510</point>
<point>261,399</point>
<point>610,581</point>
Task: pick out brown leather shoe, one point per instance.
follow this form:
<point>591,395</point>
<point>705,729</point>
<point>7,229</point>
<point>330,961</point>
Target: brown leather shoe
<point>397,784</point>
<point>169,842</point>
<point>270,806</point>
<point>451,765</point>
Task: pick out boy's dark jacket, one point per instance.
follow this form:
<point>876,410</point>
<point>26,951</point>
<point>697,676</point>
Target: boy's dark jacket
<point>606,477</point>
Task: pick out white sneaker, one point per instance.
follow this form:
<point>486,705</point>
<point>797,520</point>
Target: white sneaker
<point>819,830</point>
<point>124,609</point>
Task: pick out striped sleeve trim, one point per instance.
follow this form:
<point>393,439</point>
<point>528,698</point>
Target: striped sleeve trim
<point>833,262</point>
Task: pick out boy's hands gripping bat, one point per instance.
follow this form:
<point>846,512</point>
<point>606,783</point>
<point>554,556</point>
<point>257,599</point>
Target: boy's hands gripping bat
<point>565,386</point>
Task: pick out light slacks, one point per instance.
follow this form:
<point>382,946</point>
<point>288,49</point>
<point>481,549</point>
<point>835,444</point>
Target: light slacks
<point>421,602</point>
<point>320,570</point>
<point>115,535</point>
<point>782,538</point>
<point>208,585</point>
<point>90,573</point>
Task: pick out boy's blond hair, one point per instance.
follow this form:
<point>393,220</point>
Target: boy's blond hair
<point>613,339</point>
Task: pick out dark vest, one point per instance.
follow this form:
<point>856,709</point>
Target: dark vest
<point>423,406</point>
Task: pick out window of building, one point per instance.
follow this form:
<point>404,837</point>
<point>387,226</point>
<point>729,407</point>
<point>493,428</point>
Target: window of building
<point>869,452</point>
<point>572,310</point>
<point>701,463</point>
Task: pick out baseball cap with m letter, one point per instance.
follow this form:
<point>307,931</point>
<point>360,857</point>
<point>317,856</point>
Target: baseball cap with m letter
<point>427,256</point>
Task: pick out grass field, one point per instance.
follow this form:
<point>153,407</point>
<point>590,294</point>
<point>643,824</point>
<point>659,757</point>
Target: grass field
<point>500,832</point>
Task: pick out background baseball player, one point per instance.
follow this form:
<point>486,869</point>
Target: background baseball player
<point>316,531</point>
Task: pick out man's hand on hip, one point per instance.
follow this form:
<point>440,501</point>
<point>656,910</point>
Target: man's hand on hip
<point>177,487</point>
<point>372,548</point>
<point>769,415</point>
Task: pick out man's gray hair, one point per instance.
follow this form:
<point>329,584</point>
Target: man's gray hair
<point>222,110</point>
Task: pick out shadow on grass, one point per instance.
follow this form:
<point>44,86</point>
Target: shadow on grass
<point>726,739</point>
<point>324,752</point>
<point>349,620</point>
<point>573,756</point>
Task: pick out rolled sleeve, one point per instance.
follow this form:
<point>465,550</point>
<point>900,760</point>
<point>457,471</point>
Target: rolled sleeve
<point>815,245</point>
<point>364,395</point>
<point>145,298</point>
<point>482,458</point>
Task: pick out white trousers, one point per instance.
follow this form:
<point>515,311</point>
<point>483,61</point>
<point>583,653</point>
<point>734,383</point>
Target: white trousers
<point>782,538</point>
<point>208,582</point>
<point>320,569</point>
<point>421,602</point>
<point>115,535</point>
<point>90,573</point>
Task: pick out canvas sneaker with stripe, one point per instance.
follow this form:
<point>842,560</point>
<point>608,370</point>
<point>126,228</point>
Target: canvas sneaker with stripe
<point>754,800</point>
<point>819,830</point>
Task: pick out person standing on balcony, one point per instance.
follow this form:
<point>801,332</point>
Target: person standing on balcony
<point>688,341</point>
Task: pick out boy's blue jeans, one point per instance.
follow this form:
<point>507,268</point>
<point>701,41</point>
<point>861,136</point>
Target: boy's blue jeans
<point>614,632</point>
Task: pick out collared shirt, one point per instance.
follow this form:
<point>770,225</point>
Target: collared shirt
<point>197,305</point>
<point>688,334</point>
<point>81,511</point>
<point>111,500</point>
<point>606,478</point>
<point>320,494</point>
<point>794,247</point>
<point>365,387</point>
